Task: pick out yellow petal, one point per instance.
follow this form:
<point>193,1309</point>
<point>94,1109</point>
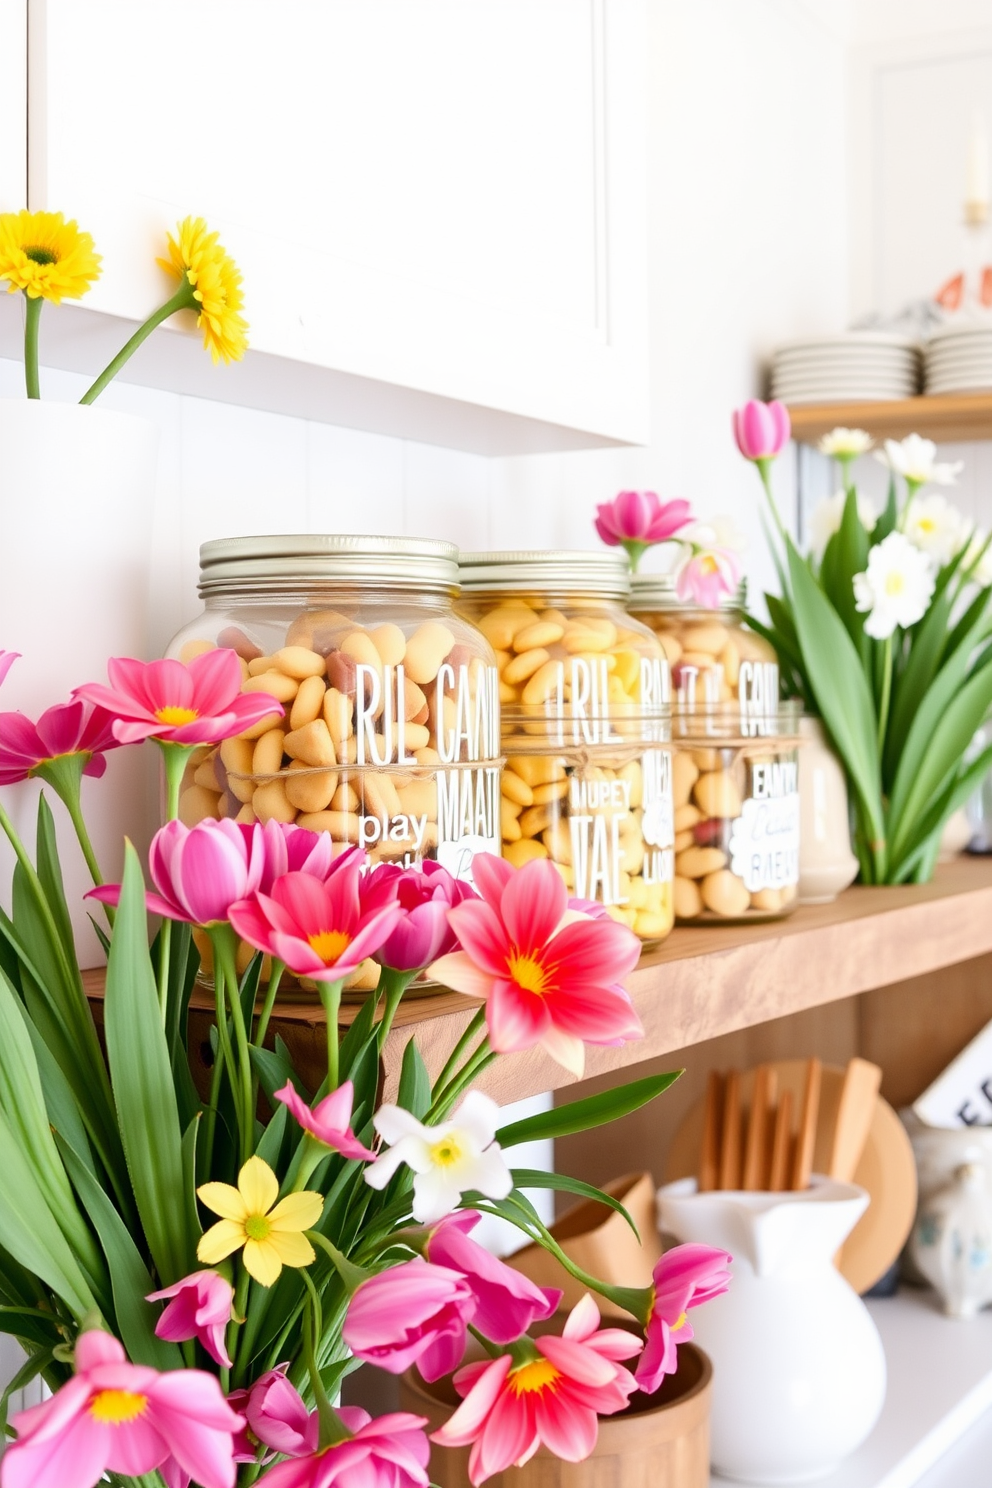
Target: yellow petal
<point>258,1185</point>
<point>223,1200</point>
<point>221,1240</point>
<point>292,1249</point>
<point>297,1211</point>
<point>262,1261</point>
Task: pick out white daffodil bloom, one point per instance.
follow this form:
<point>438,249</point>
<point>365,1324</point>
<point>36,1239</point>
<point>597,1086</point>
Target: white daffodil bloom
<point>914,459</point>
<point>826,517</point>
<point>982,575</point>
<point>448,1159</point>
<point>845,444</point>
<point>715,532</point>
<point>896,587</point>
<point>935,526</point>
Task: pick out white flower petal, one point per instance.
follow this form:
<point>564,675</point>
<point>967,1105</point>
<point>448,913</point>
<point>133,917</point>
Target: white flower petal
<point>378,1174</point>
<point>566,1049</point>
<point>435,1194</point>
<point>489,1174</point>
<point>477,1116</point>
<point>394,1122</point>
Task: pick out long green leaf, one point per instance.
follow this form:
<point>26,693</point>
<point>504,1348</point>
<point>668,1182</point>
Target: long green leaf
<point>129,1276</point>
<point>562,1183</point>
<point>414,1093</point>
<point>37,1364</point>
<point>960,787</point>
<point>846,555</point>
<point>142,1081</point>
<point>582,1115</point>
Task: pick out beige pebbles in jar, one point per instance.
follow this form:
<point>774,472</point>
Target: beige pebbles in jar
<point>584,693</point>
<point>391,734</point>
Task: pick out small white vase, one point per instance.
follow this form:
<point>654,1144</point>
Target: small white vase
<point>826,863</point>
<point>76,492</point>
<point>951,1243</point>
<point>799,1370</point>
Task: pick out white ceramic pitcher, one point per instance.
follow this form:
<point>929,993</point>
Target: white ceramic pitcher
<point>799,1370</point>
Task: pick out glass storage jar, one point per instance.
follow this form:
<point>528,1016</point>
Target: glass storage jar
<point>391,735</point>
<point>585,706</point>
<point>735,774</point>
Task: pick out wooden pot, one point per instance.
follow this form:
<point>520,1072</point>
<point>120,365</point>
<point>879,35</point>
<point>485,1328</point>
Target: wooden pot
<point>600,1242</point>
<point>659,1441</point>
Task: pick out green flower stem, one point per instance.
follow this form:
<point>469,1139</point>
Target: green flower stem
<point>225,1052</point>
<point>332,1428</point>
<point>64,773</point>
<point>236,1325</point>
<point>481,1059</point>
<point>314,1153</point>
<point>330,996</point>
<point>764,465</point>
<point>883,707</point>
<point>181,300</point>
<point>351,1275</point>
<point>272,992</point>
<point>475,1027</point>
<point>211,1126</point>
<point>32,318</point>
<point>395,984</point>
<point>492,1349</point>
<point>223,941</point>
<point>69,969</point>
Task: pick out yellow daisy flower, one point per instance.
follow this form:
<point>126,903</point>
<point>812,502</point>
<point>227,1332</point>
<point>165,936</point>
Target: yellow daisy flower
<point>215,280</point>
<point>47,257</point>
<point>270,1237</point>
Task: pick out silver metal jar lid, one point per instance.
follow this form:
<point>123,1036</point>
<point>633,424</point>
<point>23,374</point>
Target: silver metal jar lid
<point>602,573</point>
<point>657,592</point>
<point>279,561</point>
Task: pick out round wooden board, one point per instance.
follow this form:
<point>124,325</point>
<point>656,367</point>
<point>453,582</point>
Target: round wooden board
<point>887,1171</point>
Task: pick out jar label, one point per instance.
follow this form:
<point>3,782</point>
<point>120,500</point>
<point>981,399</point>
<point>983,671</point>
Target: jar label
<point>604,833</point>
<point>579,699</point>
<point>466,707</point>
<point>467,817</point>
<point>764,839</point>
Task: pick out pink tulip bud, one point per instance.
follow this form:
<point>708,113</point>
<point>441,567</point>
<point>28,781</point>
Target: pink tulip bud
<point>761,429</point>
<point>413,1313</point>
<point>200,1308</point>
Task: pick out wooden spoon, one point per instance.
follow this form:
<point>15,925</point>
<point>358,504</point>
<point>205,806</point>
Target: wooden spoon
<point>730,1146</point>
<point>762,1107</point>
<point>781,1163</point>
<point>802,1165</point>
<point>854,1116</point>
<point>709,1157</point>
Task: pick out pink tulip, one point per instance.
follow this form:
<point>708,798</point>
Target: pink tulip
<point>706,575</point>
<point>636,520</point>
<point>200,1308</point>
<point>389,1452</point>
<point>330,1122</point>
<point>69,728</point>
<point>425,895</point>
<point>507,1303</point>
<point>320,930</point>
<point>7,659</point>
<point>199,872</point>
<point>548,975</point>
<point>761,429</point>
<point>277,1416</point>
<point>201,703</point>
<point>685,1277</point>
<point>412,1313</point>
<point>508,1410</point>
<point>292,849</point>
<point>124,1418</point>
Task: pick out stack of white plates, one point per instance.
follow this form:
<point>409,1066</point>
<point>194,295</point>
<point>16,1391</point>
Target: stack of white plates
<point>959,360</point>
<point>860,366</point>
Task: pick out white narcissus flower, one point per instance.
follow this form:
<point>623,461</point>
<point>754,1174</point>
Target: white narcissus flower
<point>979,544</point>
<point>845,444</point>
<point>448,1159</point>
<point>896,587</point>
<point>914,459</point>
<point>936,527</point>
<point>715,532</point>
<point>826,517</point>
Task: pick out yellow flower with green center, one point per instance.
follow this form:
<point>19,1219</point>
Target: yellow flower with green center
<point>197,257</point>
<point>45,256</point>
<point>269,1233</point>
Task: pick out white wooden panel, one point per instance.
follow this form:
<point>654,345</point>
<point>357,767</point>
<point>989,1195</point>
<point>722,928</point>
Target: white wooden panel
<point>13,104</point>
<point>439,195</point>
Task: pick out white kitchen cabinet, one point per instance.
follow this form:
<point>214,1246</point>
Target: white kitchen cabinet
<point>438,205</point>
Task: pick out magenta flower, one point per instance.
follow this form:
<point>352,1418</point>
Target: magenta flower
<point>636,520</point>
<point>330,1122</point>
<point>276,1416</point>
<point>414,1313</point>
<point>69,728</point>
<point>199,872</point>
<point>761,429</point>
<point>705,575</point>
<point>388,1452</point>
<point>508,1410</point>
<point>685,1277</point>
<point>124,1418</point>
<point>292,849</point>
<point>200,1308</point>
<point>319,930</point>
<point>201,703</point>
<point>548,974</point>
<point>7,659</point>
<point>507,1303</point>
<point>425,895</point>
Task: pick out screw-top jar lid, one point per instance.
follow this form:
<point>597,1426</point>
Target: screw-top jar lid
<point>601,573</point>
<point>657,592</point>
<point>274,561</point>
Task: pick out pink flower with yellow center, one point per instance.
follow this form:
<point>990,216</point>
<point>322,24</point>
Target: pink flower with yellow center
<point>113,1416</point>
<point>548,973</point>
<point>684,1277</point>
<point>268,1233</point>
<point>705,576</point>
<point>198,703</point>
<point>67,729</point>
<point>388,1452</point>
<point>508,1410</point>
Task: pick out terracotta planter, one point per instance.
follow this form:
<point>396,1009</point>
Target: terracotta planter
<point>600,1242</point>
<point>660,1441</point>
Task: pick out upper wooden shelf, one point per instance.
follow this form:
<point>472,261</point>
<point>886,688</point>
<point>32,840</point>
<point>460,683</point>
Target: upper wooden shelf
<point>708,980</point>
<point>946,420</point>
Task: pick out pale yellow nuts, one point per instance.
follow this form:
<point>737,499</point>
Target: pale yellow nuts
<point>685,773</point>
<point>502,624</point>
<point>515,789</point>
<point>342,826</point>
<point>309,790</point>
<point>390,642</point>
<point>191,649</point>
<point>544,682</point>
<point>298,662</point>
<point>261,727</point>
<point>276,684</point>
<point>696,862</point>
<point>724,894</point>
<point>337,715</point>
<point>542,634</point>
<point>270,803</point>
<point>426,650</point>
<point>419,798</point>
<point>520,668</point>
<point>345,799</point>
<point>768,900</point>
<point>686,817</point>
<point>524,851</point>
<point>308,703</point>
<point>688,899</point>
<point>717,795</point>
<point>205,774</point>
<point>268,753</point>
<point>196,804</point>
<point>312,744</point>
<point>709,638</point>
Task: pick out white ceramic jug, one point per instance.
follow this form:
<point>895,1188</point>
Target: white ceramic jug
<point>826,863</point>
<point>799,1370</point>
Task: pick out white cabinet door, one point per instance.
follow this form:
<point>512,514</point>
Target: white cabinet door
<point>436,203</point>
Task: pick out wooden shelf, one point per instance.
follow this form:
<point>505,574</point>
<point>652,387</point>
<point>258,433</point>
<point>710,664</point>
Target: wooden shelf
<point>945,419</point>
<point>711,980</point>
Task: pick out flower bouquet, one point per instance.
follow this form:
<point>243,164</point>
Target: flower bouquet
<point>193,1273</point>
<point>885,632</point>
